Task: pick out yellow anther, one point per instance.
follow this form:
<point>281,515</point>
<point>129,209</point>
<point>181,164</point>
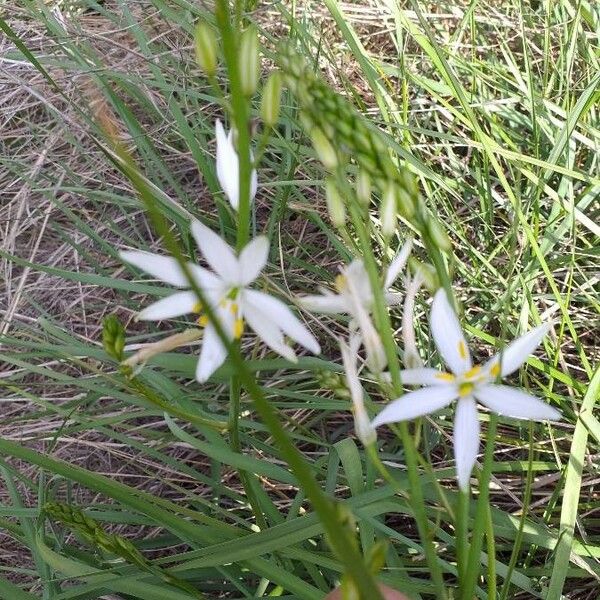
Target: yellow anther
<point>238,328</point>
<point>462,350</point>
<point>472,372</point>
<point>445,376</point>
<point>495,370</point>
<point>197,308</point>
<point>203,321</point>
<point>223,303</point>
<point>234,308</point>
<point>464,389</point>
<point>340,282</point>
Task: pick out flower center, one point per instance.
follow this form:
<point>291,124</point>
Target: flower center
<point>341,283</point>
<point>465,388</point>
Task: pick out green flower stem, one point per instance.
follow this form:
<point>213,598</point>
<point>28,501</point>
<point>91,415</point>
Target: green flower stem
<point>384,326</point>
<point>469,581</point>
<point>519,536</point>
<point>491,552</point>
<point>462,528</point>
<point>341,539</point>
<point>240,115</point>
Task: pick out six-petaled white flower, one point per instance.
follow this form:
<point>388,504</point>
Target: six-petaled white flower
<point>355,298</point>
<point>228,167</point>
<point>468,384</point>
<point>362,425</point>
<point>226,289</point>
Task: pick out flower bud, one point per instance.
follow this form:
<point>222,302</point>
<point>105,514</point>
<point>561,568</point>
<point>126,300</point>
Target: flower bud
<point>388,211</point>
<point>324,149</point>
<point>438,235</point>
<point>335,204</point>
<point>363,187</point>
<point>406,203</point>
<point>206,48</point>
<point>113,337</point>
<point>249,61</point>
<point>271,99</point>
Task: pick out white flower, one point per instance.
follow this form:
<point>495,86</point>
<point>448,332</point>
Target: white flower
<point>468,384</point>
<point>355,298</point>
<point>362,425</point>
<point>228,167</point>
<point>227,291</point>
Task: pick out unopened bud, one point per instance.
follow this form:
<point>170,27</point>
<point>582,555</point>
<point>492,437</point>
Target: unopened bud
<point>335,204</point>
<point>113,337</point>
<point>388,211</point>
<point>427,273</point>
<point>406,203</point>
<point>363,187</point>
<point>409,183</point>
<point>271,99</point>
<point>438,235</point>
<point>324,149</point>
<point>249,61</point>
<point>206,48</point>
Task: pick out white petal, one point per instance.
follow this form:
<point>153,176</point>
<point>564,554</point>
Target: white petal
<point>253,259</point>
<point>357,280</point>
<point>213,352</point>
<point>448,335</point>
<point>165,268</point>
<point>425,376</point>
<point>227,165</point>
<point>349,360</point>
<point>412,358</point>
<point>327,304</point>
<point>212,355</point>
<point>466,440</point>
<point>282,317</point>
<point>205,279</point>
<point>175,305</point>
<point>512,402</point>
<point>392,298</point>
<point>516,353</point>
<point>268,331</point>
<point>416,404</point>
<point>253,183</point>
<point>218,253</point>
<point>398,264</point>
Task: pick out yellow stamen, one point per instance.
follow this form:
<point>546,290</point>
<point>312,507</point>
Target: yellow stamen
<point>464,389</point>
<point>445,376</point>
<point>495,370</point>
<point>234,308</point>
<point>462,350</point>
<point>340,282</point>
<point>203,321</point>
<point>238,328</point>
<point>472,372</point>
<point>197,308</point>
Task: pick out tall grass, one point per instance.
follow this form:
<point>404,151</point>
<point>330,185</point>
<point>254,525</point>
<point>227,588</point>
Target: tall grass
<point>493,107</point>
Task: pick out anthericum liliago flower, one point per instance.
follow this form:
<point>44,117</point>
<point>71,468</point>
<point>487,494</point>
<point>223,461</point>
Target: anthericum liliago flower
<point>468,384</point>
<point>362,425</point>
<point>226,289</point>
<point>228,167</point>
<point>355,298</point>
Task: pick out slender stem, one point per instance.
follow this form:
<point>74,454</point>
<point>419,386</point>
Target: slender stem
<point>462,528</point>
<point>490,538</point>
<point>474,563</point>
<point>519,536</point>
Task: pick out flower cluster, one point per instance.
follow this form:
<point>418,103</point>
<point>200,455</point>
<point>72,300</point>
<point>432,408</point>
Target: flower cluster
<point>226,287</point>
